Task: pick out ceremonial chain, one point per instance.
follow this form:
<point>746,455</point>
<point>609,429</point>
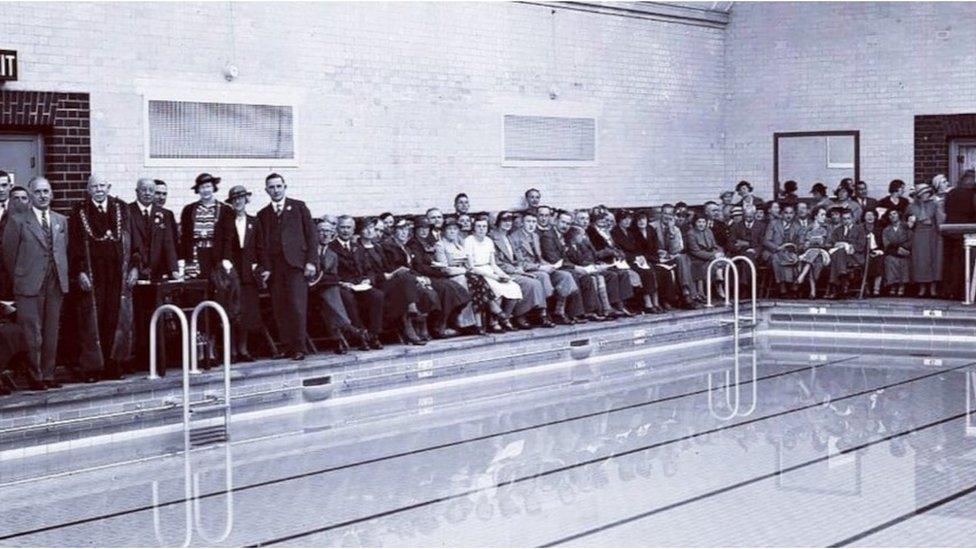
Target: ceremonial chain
<point>108,236</point>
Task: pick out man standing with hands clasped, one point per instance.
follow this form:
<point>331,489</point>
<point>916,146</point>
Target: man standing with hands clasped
<point>287,254</point>
<point>35,249</point>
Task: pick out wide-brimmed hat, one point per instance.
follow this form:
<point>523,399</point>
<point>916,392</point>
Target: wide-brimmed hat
<point>923,188</point>
<point>237,191</point>
<point>421,221</point>
<point>205,178</point>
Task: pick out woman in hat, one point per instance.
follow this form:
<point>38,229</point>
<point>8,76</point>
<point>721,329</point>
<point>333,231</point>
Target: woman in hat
<point>450,256</point>
<point>746,198</point>
<point>788,195</point>
<point>926,253</point>
<point>456,313</point>
<point>237,249</point>
<point>405,301</point>
<point>894,201</point>
<point>703,249</point>
<point>624,240</point>
<point>896,240</point>
<point>198,223</point>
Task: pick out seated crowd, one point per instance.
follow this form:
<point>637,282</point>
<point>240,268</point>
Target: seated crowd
<point>363,281</point>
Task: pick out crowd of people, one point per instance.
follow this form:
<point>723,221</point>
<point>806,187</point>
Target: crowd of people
<point>413,278</point>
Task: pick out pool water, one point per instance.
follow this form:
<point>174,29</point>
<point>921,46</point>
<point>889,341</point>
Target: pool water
<point>815,450</point>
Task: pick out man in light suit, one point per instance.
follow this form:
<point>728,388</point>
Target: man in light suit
<point>287,247</point>
<point>673,253</point>
<point>849,251</point>
<point>528,251</point>
<point>35,250</point>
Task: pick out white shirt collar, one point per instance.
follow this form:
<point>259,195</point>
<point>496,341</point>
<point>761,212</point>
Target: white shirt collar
<point>38,213</point>
<point>100,205</point>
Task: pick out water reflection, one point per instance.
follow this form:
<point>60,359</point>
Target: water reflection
<point>192,502</point>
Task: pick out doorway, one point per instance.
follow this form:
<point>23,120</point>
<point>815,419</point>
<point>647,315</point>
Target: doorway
<point>962,157</point>
<point>21,155</point>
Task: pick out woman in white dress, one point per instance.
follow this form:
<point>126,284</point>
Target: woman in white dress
<point>480,251</point>
<point>450,256</point>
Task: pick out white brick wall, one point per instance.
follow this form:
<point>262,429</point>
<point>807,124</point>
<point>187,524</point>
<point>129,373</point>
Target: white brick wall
<point>401,101</point>
<point>868,66</point>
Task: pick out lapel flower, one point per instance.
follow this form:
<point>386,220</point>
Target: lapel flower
<point>288,208</point>
<point>249,225</point>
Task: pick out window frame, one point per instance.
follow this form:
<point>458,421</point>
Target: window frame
<point>238,97</point>
<point>550,110</point>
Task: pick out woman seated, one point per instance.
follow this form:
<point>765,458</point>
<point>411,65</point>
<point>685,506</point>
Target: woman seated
<point>505,294</point>
<point>815,255</point>
<point>633,249</point>
<point>535,291</point>
<point>450,256</point>
<point>897,243</point>
<point>405,302</point>
<point>668,289</point>
<point>703,249</point>
<point>456,314</point>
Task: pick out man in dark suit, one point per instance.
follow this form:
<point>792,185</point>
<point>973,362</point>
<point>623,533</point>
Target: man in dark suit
<point>35,249</point>
<point>162,192</point>
<point>6,182</point>
<point>359,302</point>
<point>153,248</point>
<point>850,244</point>
<point>154,254</point>
<point>338,325</point>
<point>286,253</point>
<point>554,251</point>
<point>720,229</point>
<point>960,207</point>
<point>862,198</point>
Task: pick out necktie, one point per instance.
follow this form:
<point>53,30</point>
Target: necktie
<point>278,209</point>
<point>145,218</point>
<point>47,230</point>
<point>101,207</point>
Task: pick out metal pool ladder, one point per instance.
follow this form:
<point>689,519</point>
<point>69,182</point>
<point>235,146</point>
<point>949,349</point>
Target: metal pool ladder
<point>734,387</point>
<point>210,434</point>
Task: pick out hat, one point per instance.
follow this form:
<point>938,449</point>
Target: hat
<point>421,221</point>
<point>205,178</point>
<point>818,188</point>
<point>402,222</point>
<point>923,188</point>
<point>237,191</point>
<point>736,210</point>
<point>843,186</point>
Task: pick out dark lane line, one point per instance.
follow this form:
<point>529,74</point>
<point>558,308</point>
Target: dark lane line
<point>748,482</point>
<point>398,455</point>
<point>911,514</point>
<point>564,468</point>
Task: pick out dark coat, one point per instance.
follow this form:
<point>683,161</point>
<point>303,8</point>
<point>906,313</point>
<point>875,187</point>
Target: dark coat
<point>186,227</point>
<point>229,246</point>
<point>153,247</point>
<point>293,235</point>
<point>348,269</point>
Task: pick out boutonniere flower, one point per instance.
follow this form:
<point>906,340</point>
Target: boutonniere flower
<point>288,208</point>
<point>250,226</point>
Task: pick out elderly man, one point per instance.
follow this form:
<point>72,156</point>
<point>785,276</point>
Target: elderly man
<point>363,302</point>
<point>35,249</point>
<point>783,242</point>
<point>528,251</point>
<point>849,247</point>
<point>286,249</point>
<point>335,317</point>
<point>436,220</point>
<point>552,241</point>
<point>672,254</point>
<point>100,261</point>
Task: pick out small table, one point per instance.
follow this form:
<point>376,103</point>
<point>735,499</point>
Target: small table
<point>148,296</point>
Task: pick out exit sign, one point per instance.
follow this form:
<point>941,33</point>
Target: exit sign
<point>8,65</point>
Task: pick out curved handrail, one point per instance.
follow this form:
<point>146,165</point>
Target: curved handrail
<point>735,387</point>
<point>228,501</point>
<point>184,335</point>
<point>708,281</point>
<point>194,318</point>
<point>753,279</point>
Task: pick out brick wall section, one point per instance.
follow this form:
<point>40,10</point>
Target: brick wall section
<point>932,136</point>
<point>63,119</point>
<point>401,103</point>
<point>868,66</point>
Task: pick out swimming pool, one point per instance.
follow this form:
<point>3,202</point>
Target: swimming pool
<point>840,448</point>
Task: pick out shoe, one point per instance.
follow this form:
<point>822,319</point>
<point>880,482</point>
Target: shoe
<point>341,347</point>
<point>93,379</point>
<point>298,355</point>
<point>245,358</point>
<point>595,317</point>
<point>506,325</point>
<point>51,384</point>
<point>623,310</point>
<point>581,319</point>
<point>495,328</point>
<point>374,342</point>
<point>7,380</point>
<point>562,320</point>
<point>520,323</point>
<point>545,322</point>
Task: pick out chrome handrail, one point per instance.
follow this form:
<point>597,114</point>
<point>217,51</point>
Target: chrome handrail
<point>730,265</point>
<point>729,386</point>
<point>225,322</point>
<point>187,493</point>
<point>971,403</point>
<point>184,335</point>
